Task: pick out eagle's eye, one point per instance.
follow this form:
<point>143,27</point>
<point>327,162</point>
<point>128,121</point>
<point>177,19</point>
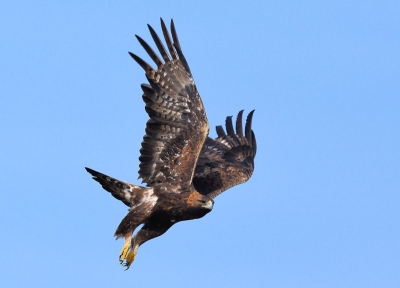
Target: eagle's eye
<point>203,202</point>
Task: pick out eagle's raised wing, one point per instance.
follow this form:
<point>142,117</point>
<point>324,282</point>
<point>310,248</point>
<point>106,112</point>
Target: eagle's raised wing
<point>178,125</point>
<point>227,160</point>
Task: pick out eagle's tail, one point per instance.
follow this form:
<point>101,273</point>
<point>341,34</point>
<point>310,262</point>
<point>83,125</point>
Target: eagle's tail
<point>121,190</point>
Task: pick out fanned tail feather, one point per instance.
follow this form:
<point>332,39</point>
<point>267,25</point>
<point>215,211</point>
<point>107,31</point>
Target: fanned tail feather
<point>121,190</point>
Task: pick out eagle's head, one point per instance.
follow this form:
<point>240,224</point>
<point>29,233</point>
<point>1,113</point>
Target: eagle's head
<point>205,203</point>
<point>199,204</point>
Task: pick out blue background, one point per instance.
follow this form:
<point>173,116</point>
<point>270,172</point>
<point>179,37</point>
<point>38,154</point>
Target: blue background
<point>322,208</point>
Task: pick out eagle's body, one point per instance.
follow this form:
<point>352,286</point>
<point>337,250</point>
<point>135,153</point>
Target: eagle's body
<point>183,168</point>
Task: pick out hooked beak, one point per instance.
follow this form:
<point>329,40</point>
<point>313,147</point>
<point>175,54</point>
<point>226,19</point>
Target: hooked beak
<point>209,204</point>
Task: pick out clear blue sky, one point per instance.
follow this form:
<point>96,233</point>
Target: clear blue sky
<point>323,206</point>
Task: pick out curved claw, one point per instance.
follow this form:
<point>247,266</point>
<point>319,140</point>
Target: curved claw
<point>125,249</point>
<point>130,257</point>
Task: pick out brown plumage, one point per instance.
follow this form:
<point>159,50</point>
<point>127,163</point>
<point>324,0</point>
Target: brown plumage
<point>227,160</point>
<point>183,168</point>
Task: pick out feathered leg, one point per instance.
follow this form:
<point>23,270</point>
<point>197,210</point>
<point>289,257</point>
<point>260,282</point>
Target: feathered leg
<point>125,229</point>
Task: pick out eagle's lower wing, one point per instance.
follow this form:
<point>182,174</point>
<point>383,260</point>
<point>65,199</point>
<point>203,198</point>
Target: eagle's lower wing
<point>178,125</point>
<point>227,160</point>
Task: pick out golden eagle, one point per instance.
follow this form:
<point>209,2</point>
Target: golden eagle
<point>183,168</point>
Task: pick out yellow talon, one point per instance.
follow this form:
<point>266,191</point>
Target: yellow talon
<point>130,257</point>
<point>125,249</point>
<point>128,253</point>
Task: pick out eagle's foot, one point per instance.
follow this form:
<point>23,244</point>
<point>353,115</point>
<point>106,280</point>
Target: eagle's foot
<point>129,258</point>
<point>125,249</point>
